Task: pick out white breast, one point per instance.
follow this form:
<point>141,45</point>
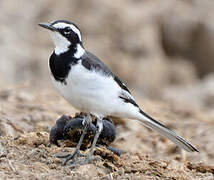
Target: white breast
<point>89,91</point>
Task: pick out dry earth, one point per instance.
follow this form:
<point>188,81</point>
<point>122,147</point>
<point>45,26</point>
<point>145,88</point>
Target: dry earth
<point>26,116</point>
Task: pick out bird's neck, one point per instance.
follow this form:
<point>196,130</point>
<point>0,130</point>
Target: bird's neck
<point>77,50</point>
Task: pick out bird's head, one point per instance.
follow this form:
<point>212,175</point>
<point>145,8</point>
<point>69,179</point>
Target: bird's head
<point>65,35</point>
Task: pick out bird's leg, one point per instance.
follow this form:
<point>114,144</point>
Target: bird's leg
<point>99,129</point>
<point>77,153</point>
<point>89,155</point>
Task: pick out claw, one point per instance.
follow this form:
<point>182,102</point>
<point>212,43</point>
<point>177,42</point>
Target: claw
<point>69,157</point>
<point>62,156</point>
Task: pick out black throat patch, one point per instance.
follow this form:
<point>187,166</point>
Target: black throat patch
<point>60,65</point>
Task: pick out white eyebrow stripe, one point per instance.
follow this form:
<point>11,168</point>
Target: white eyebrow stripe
<point>64,25</point>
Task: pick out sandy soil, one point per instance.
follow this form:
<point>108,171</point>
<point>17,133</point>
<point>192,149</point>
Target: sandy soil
<point>24,150</point>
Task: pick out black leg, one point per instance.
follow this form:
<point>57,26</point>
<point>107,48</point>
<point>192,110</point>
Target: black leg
<point>91,151</point>
<point>77,153</point>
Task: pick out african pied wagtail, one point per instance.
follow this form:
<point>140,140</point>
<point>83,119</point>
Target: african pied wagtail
<point>90,86</point>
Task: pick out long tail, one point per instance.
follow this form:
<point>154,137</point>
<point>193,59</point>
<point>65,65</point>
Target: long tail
<point>164,131</point>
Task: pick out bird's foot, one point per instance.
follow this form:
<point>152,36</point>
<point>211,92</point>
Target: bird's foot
<point>69,157</point>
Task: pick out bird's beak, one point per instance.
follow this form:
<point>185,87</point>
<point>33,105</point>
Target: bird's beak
<point>48,26</point>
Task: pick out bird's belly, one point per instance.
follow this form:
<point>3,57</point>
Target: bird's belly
<point>89,91</point>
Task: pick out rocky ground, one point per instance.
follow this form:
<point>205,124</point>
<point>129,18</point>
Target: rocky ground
<point>163,51</point>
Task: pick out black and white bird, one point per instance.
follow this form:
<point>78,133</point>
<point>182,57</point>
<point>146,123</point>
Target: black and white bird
<point>90,86</point>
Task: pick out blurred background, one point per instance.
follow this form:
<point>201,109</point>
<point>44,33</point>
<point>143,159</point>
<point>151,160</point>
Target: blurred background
<point>153,45</point>
<point>163,51</point>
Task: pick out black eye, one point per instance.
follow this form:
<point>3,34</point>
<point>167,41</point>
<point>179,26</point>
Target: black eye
<point>67,30</point>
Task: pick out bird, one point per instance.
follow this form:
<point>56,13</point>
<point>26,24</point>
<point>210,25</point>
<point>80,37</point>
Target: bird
<point>91,87</point>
